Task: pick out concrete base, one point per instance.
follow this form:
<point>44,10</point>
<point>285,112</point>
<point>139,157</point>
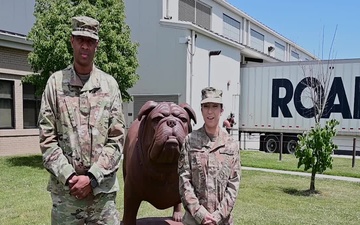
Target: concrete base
<point>157,221</point>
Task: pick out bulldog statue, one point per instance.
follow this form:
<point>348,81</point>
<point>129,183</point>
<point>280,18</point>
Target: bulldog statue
<point>151,153</point>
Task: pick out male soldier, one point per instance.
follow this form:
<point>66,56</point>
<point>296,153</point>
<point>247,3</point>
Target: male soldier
<point>81,134</point>
<point>229,122</point>
<point>227,125</point>
<point>232,119</point>
<point>209,168</point>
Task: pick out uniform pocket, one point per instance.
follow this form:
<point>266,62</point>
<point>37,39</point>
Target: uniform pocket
<point>67,112</point>
<point>198,163</point>
<point>65,125</point>
<point>99,112</point>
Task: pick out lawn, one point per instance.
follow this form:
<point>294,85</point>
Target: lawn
<point>341,166</point>
<point>264,198</point>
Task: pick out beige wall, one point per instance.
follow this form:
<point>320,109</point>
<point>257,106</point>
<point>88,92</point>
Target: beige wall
<point>14,59</point>
<point>18,141</point>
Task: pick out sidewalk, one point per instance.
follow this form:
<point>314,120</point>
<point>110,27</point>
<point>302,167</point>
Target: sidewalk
<point>350,179</point>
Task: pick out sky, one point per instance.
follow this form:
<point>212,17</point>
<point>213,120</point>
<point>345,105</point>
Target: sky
<point>312,24</point>
<point>17,15</point>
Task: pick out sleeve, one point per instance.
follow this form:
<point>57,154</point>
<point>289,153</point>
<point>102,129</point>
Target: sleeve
<point>54,159</point>
<point>232,187</point>
<point>109,161</point>
<point>186,188</point>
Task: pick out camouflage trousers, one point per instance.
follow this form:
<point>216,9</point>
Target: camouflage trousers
<point>188,219</point>
<point>99,209</point>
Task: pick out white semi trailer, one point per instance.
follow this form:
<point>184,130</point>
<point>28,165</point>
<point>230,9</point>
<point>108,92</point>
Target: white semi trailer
<point>275,99</point>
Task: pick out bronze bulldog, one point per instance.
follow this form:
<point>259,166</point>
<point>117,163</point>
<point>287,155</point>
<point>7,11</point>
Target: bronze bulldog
<point>151,153</point>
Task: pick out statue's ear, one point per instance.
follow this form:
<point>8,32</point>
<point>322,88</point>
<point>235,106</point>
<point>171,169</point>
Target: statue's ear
<point>146,109</point>
<point>189,110</point>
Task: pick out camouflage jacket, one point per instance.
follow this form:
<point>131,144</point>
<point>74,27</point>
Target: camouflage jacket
<point>209,174</point>
<point>81,129</point>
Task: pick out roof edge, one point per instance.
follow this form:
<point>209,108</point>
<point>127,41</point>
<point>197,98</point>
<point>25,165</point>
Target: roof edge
<point>15,41</point>
<point>262,26</point>
<point>215,36</point>
<point>191,26</point>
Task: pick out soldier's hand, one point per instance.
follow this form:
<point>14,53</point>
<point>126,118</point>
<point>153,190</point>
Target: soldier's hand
<point>209,220</point>
<point>80,186</point>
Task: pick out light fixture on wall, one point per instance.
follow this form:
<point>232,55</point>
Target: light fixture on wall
<point>211,53</point>
<point>271,49</point>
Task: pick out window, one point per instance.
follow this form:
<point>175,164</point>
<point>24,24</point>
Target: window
<point>31,106</point>
<point>231,28</point>
<point>257,40</point>
<point>196,12</point>
<point>6,104</point>
<point>279,51</point>
<point>294,55</point>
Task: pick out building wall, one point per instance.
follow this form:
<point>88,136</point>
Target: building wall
<point>168,64</point>
<point>162,54</point>
<point>223,71</point>
<point>14,59</point>
<point>171,11</point>
<point>13,66</point>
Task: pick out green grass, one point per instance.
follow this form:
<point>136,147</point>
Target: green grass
<point>341,166</point>
<point>267,198</point>
<point>264,198</point>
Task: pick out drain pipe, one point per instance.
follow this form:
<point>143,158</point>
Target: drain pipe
<point>167,16</point>
<point>192,52</point>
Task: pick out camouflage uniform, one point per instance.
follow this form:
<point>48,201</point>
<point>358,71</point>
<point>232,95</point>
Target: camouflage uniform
<point>209,176</point>
<point>209,172</point>
<point>81,129</point>
<point>82,132</point>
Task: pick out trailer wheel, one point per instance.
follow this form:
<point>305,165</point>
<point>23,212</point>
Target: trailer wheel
<point>271,143</point>
<point>291,146</point>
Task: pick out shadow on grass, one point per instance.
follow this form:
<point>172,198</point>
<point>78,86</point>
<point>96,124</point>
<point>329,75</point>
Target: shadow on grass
<point>34,161</point>
<point>295,192</point>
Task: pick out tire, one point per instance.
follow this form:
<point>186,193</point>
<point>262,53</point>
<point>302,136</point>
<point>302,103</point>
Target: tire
<point>290,145</point>
<point>272,143</point>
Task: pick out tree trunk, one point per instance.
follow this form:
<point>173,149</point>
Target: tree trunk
<point>312,182</point>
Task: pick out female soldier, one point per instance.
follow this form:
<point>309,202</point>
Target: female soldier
<point>209,168</point>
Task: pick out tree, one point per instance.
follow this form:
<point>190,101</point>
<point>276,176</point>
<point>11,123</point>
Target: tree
<point>315,147</point>
<point>116,54</point>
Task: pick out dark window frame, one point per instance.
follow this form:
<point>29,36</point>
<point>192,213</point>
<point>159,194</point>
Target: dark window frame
<point>33,99</point>
<point>192,16</point>
<point>280,50</point>
<point>257,38</point>
<point>236,26</point>
<point>12,104</point>
<point>295,55</point>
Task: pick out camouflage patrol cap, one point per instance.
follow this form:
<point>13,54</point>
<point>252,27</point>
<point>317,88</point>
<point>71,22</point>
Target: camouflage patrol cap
<point>210,94</point>
<point>85,26</point>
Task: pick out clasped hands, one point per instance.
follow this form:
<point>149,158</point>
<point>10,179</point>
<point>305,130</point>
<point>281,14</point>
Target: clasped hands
<point>209,220</point>
<point>80,186</point>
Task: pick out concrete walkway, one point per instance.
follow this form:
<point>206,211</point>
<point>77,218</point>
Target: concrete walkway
<point>351,179</point>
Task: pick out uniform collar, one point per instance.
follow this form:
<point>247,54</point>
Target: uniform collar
<point>92,83</point>
<point>220,140</point>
